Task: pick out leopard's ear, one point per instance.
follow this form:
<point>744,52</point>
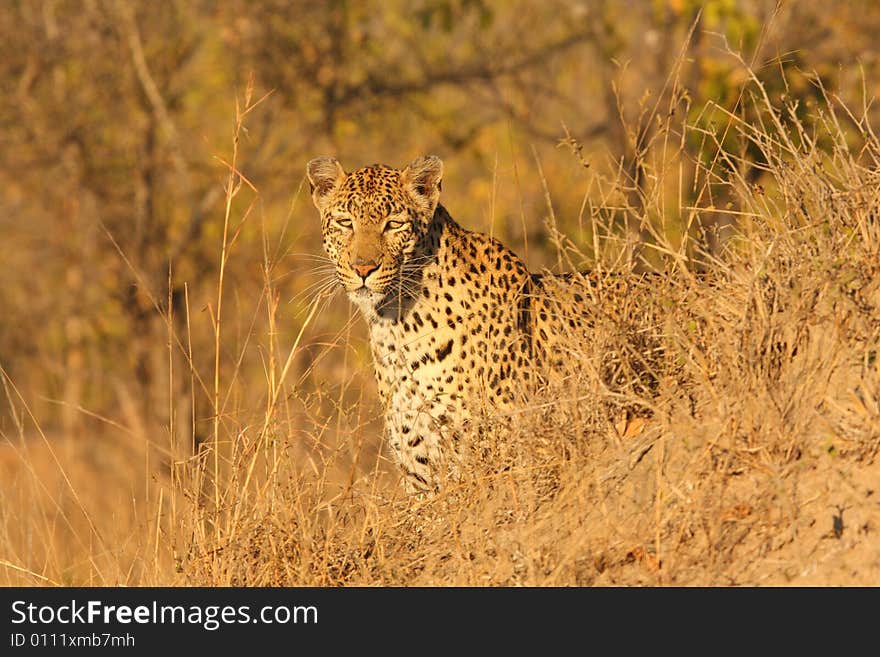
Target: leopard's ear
<point>325,174</point>
<point>423,176</point>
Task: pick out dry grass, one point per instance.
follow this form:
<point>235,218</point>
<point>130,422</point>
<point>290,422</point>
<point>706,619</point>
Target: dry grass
<point>751,458</point>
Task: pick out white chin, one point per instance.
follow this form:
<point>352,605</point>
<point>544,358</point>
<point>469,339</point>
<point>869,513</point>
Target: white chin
<point>364,297</point>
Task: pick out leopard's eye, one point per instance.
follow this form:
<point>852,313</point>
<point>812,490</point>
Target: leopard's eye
<point>395,224</point>
<point>343,222</point>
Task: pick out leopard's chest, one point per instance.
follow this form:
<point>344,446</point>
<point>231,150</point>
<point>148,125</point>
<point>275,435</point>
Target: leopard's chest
<point>416,356</point>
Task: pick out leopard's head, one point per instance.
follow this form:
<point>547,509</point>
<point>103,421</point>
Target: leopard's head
<point>375,221</point>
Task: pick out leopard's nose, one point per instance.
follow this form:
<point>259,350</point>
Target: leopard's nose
<point>364,268</point>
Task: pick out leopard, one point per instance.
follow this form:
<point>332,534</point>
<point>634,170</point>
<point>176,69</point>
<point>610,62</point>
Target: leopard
<point>456,320</point>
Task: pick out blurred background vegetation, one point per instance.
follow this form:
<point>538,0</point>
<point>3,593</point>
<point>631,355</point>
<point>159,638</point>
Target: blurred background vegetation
<point>117,121</point>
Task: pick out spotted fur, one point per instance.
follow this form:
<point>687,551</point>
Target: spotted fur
<point>456,319</point>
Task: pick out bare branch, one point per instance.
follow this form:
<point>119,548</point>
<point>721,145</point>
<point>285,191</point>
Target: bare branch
<point>154,96</point>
